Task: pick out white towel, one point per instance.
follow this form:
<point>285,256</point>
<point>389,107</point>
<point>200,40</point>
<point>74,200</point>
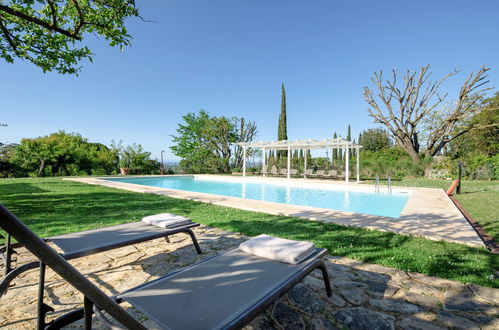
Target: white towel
<point>279,249</point>
<point>167,220</point>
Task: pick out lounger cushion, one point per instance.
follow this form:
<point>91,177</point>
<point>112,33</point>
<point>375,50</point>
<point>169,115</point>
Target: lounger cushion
<point>211,294</point>
<point>278,249</point>
<point>88,241</point>
<point>166,220</point>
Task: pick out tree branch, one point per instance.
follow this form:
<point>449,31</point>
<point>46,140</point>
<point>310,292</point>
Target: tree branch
<point>38,21</point>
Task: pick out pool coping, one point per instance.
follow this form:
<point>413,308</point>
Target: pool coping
<point>429,213</point>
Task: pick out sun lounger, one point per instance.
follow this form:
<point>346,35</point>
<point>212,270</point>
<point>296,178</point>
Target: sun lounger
<point>80,244</point>
<point>274,171</point>
<point>223,292</point>
<point>332,174</point>
<point>320,173</point>
<point>293,172</point>
<point>264,170</point>
<point>309,173</point>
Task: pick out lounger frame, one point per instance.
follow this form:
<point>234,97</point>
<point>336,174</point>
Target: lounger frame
<point>11,273</point>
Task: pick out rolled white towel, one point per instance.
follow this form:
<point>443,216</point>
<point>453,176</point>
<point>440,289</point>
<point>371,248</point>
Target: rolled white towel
<point>166,220</point>
<point>279,249</point>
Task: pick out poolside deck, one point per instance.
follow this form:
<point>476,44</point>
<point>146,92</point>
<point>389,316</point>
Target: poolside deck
<point>429,212</point>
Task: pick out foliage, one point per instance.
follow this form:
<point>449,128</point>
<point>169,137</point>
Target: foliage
<point>282,127</point>
<point>48,33</point>
<point>411,110</point>
<point>375,139</point>
<point>189,143</point>
<point>392,161</point>
<point>7,168</point>
<point>206,144</point>
<point>484,141</point>
<point>67,154</point>
<point>81,206</point>
<point>63,154</point>
<point>135,158</point>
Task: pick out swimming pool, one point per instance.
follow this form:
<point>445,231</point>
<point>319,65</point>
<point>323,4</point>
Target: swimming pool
<point>334,197</point>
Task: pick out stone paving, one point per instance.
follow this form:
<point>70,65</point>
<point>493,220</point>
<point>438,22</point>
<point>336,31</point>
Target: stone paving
<point>365,296</point>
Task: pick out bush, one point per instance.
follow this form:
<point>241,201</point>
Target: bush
<point>482,167</point>
<point>392,161</point>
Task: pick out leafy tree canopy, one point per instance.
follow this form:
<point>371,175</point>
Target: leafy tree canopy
<point>63,153</point>
<point>206,143</point>
<point>49,33</point>
<point>484,141</point>
<point>375,139</point>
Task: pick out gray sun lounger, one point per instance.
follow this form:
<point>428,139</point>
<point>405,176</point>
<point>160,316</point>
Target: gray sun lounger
<point>84,243</point>
<point>223,292</point>
<point>264,170</point>
<point>274,171</point>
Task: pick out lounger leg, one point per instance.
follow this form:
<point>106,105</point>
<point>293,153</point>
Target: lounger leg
<point>325,276</point>
<point>87,312</point>
<point>194,240</point>
<point>43,308</point>
<point>167,239</point>
<point>8,255</point>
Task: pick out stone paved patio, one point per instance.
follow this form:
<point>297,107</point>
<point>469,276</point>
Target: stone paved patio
<point>365,296</point>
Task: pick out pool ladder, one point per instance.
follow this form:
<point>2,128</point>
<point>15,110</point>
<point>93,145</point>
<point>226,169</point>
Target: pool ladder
<point>376,186</point>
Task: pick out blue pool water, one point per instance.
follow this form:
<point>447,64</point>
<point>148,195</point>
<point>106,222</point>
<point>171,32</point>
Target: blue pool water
<point>383,204</point>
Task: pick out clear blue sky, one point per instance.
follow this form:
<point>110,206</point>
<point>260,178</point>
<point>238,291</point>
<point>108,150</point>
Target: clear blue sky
<point>230,57</point>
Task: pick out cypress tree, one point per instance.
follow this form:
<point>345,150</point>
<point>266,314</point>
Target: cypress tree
<point>360,138</point>
<point>349,134</point>
<point>335,151</point>
<point>282,129</point>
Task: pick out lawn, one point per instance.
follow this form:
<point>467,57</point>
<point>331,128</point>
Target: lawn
<point>52,206</point>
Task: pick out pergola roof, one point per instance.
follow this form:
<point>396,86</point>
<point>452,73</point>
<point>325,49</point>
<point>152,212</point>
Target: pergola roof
<point>301,144</point>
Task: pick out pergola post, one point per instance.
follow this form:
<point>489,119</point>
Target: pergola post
<point>305,151</point>
<point>289,161</point>
<point>244,161</point>
<point>347,174</point>
<point>358,163</point>
<point>332,157</point>
<point>264,161</point>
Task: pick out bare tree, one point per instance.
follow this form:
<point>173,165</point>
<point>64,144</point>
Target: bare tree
<point>414,112</point>
<point>246,132</point>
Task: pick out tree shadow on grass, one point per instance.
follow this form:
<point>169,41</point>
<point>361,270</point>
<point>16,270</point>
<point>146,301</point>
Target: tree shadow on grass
<point>18,188</point>
<point>441,259</point>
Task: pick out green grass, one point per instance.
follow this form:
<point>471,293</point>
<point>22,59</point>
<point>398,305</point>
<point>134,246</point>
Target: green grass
<point>480,198</point>
<point>53,206</point>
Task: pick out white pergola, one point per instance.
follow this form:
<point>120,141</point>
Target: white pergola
<point>290,146</point>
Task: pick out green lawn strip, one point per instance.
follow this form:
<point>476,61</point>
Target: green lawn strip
<point>53,206</point>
